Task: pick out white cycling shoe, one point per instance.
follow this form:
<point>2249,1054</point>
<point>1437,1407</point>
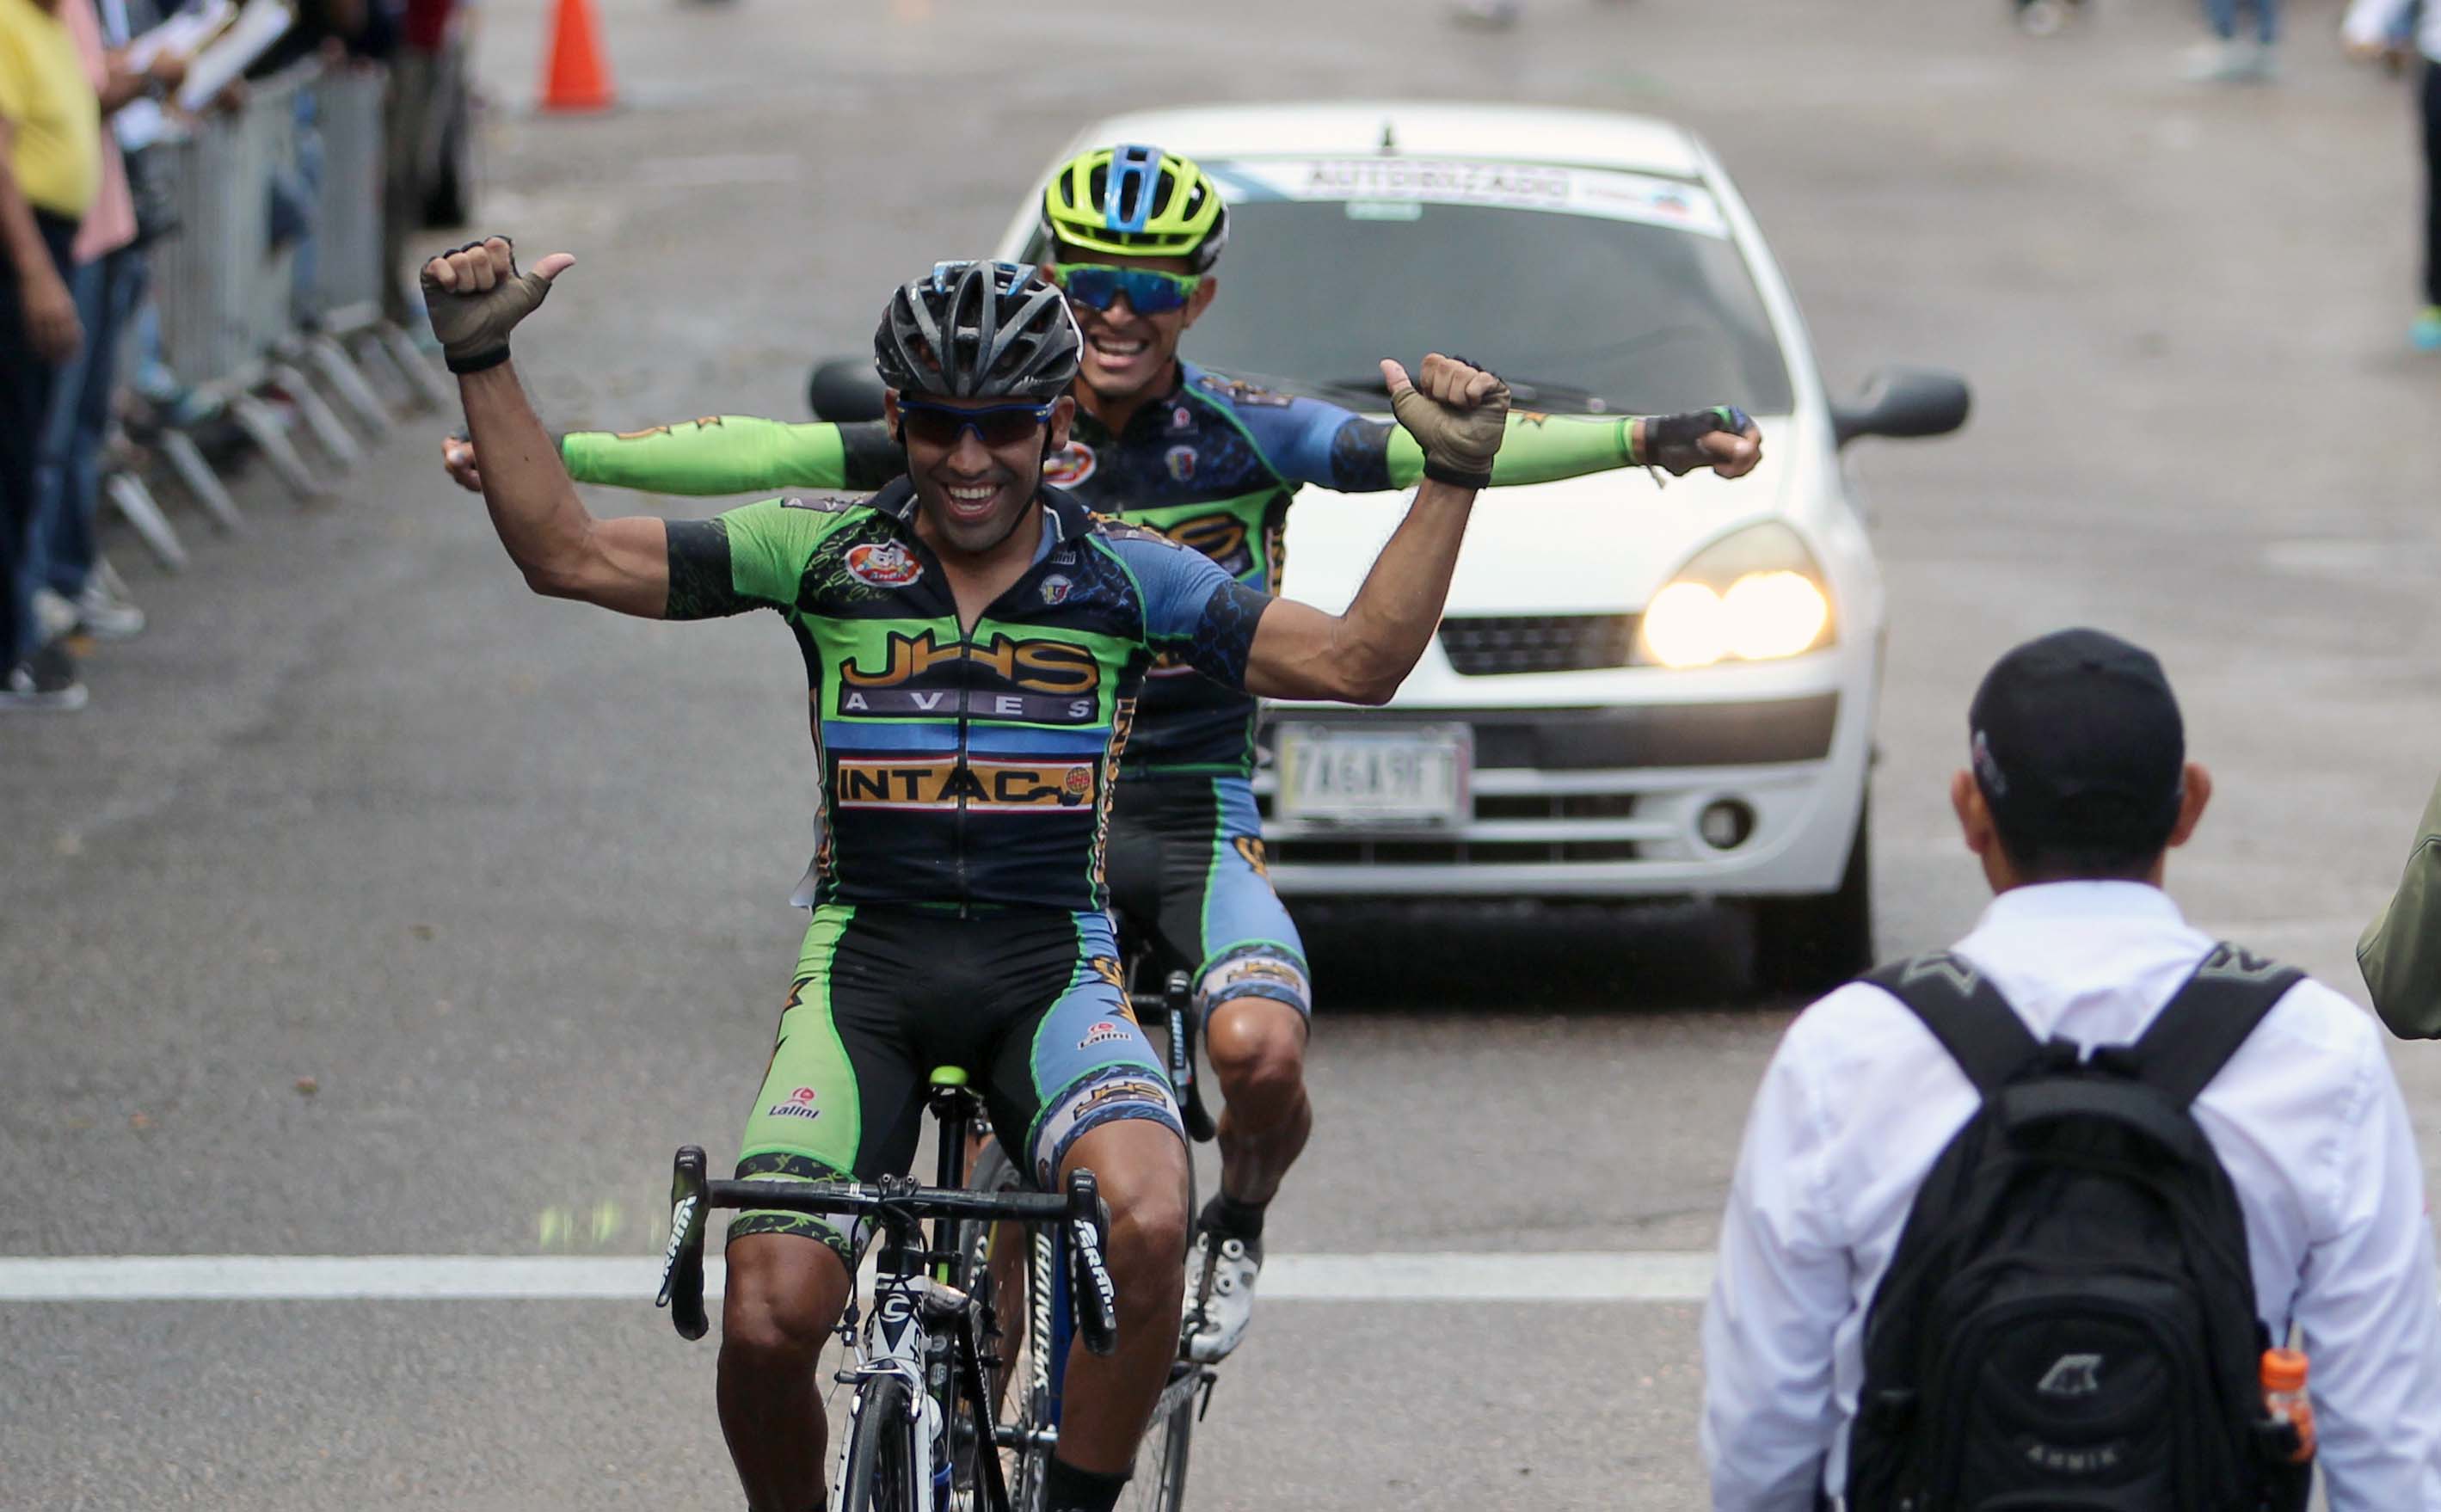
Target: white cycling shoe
<point>1222,1303</point>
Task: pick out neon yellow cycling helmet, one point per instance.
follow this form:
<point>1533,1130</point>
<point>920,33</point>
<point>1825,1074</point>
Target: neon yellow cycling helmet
<point>1136,201</point>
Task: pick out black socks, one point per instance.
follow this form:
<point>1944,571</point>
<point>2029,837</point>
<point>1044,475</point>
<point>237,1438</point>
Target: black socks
<point>1225,1214</point>
<point>1066,1488</point>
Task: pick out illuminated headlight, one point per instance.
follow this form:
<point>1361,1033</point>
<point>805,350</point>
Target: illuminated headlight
<point>1754,596</point>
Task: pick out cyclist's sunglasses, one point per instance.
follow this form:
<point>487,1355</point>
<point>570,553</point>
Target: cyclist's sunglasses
<point>1150,290</point>
<point>998,426</point>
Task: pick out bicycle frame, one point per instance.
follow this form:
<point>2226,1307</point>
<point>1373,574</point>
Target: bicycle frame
<point>913,1293</point>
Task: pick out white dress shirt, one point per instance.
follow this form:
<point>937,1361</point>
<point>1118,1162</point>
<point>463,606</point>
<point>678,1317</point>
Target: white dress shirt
<point>2371,22</point>
<point>1860,1099</point>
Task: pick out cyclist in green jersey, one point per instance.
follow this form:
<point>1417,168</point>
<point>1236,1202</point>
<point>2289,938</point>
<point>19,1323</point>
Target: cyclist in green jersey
<point>975,643</point>
<point>1134,235</point>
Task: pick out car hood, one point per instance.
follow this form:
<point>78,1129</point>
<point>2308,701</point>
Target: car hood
<point>1600,544</point>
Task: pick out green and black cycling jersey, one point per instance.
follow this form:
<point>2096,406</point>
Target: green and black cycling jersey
<point>965,767</point>
<point>1213,465</point>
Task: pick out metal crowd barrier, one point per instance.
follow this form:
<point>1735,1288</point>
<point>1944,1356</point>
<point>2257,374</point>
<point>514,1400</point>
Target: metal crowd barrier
<point>238,320</point>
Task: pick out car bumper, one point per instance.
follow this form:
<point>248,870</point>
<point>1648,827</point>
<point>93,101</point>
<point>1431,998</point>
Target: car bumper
<point>1607,803</point>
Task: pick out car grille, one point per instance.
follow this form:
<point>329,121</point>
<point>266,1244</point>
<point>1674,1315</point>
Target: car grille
<point>1411,850</point>
<point>1495,645</point>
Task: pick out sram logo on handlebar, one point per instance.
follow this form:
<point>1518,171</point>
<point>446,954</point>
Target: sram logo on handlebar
<point>1089,1252</point>
<point>681,1219</point>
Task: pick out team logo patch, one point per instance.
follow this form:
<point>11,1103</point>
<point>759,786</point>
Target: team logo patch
<point>800,1104</point>
<point>1102,1034</point>
<point>884,564</point>
<point>992,787</point>
<point>1069,467</point>
<point>1219,535</point>
<point>1182,419</point>
<point>1180,463</point>
<point>1056,590</point>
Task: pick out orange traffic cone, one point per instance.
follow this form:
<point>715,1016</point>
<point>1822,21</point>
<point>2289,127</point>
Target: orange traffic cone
<point>580,76</point>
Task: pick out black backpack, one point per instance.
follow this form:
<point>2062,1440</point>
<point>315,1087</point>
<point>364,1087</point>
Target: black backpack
<point>2068,1325</point>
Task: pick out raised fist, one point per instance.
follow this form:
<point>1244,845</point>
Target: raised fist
<point>475,296</point>
<point>1455,411</point>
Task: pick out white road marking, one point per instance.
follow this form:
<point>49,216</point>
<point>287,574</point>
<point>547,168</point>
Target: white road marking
<point>1635,1276</point>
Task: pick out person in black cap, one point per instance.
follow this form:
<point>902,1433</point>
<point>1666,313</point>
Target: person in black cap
<point>2079,766</point>
<point>2077,786</point>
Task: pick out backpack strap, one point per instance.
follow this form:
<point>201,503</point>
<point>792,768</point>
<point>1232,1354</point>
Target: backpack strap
<point>1966,1013</point>
<point>2205,1021</point>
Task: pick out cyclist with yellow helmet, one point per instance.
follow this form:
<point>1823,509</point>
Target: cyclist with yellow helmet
<point>1132,234</point>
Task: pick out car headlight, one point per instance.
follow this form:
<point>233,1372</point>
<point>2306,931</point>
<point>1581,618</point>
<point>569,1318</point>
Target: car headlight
<point>1753,596</point>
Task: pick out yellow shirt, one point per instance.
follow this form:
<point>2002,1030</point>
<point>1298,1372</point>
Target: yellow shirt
<point>54,118</point>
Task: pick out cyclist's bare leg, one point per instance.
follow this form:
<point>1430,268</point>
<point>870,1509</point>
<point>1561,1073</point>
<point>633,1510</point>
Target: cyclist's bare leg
<point>1142,1167</point>
<point>1257,1049</point>
<point>784,1295</point>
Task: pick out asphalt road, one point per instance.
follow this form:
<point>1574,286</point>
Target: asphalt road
<point>504,878</point>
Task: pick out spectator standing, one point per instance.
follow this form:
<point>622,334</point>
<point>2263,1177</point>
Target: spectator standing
<point>72,588</point>
<point>2231,59</point>
<point>2079,786</point>
<point>2369,28</point>
<point>50,170</point>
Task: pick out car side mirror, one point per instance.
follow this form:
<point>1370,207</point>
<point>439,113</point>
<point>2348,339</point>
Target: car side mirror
<point>1903,403</point>
<point>844,388</point>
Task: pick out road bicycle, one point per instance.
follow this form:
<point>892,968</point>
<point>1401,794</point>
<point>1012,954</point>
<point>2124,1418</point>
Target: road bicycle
<point>920,1432</point>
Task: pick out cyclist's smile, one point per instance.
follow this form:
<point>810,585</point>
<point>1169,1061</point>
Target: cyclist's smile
<point>1129,350</point>
<point>1124,352</point>
<point>976,464</point>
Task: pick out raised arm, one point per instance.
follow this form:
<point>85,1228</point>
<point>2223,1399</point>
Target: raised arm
<point>715,456</point>
<point>1456,413</point>
<point>1540,449</point>
<point>735,453</point>
<point>475,296</point>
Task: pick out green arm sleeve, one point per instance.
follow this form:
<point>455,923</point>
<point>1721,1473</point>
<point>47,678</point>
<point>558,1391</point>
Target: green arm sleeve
<point>718,454</point>
<point>1537,449</point>
<point>2400,952</point>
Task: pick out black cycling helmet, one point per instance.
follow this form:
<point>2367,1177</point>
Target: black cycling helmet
<point>979,331</point>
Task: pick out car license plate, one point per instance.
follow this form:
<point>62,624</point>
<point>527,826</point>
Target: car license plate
<point>1416,775</point>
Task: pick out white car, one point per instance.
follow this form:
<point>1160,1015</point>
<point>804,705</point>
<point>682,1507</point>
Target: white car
<point>1637,691</point>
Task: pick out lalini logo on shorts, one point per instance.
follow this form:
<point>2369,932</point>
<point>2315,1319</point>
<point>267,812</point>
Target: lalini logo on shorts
<point>1101,1033</point>
<point>800,1104</point>
<point>884,564</point>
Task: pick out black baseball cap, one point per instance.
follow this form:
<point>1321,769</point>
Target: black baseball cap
<point>2076,740</point>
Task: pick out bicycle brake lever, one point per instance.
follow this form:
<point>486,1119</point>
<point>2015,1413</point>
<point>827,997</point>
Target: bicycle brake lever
<point>683,1261</point>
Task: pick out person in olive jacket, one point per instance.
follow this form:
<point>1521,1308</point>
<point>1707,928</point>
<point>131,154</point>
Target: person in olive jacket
<point>2400,952</point>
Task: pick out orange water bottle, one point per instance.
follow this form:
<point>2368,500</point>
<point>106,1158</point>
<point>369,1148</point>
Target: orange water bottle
<point>2284,1396</point>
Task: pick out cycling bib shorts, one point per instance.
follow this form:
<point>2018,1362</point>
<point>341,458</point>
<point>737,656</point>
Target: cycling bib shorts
<point>1187,868</point>
<point>1026,1001</point>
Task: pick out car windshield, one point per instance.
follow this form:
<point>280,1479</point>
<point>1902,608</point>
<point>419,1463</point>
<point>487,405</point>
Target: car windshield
<point>1592,292</point>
